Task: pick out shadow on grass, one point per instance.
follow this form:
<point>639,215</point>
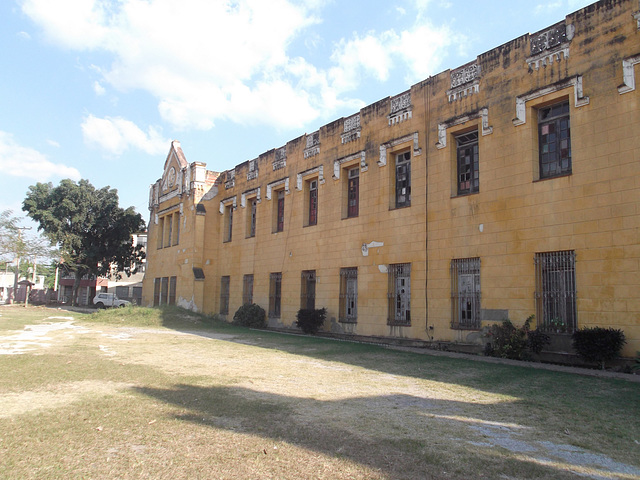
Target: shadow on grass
<point>407,443</point>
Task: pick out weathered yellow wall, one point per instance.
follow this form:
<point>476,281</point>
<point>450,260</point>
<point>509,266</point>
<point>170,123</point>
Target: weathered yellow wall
<point>593,210</point>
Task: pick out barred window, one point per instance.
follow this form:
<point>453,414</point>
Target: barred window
<point>247,289</point>
<point>556,291</point>
<point>349,295</point>
<point>399,294</point>
<point>275,294</point>
<point>465,293</point>
<point>308,290</point>
<point>224,295</point>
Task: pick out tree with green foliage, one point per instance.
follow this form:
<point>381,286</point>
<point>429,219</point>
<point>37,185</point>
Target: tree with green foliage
<point>91,230</point>
<point>20,249</point>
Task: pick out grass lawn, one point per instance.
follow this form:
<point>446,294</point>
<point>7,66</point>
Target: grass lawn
<point>149,393</point>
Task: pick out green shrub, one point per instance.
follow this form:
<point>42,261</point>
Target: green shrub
<point>311,320</point>
<point>517,343</point>
<point>598,345</point>
<point>250,315</point>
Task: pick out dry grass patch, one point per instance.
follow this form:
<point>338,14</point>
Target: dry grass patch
<point>169,394</point>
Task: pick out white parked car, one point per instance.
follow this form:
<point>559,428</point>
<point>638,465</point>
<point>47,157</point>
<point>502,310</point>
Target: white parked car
<point>104,300</point>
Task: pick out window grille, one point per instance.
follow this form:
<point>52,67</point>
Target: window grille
<point>556,291</point>
<point>224,295</point>
<point>349,295</point>
<point>275,294</point>
<point>308,290</point>
<point>247,289</point>
<point>465,293</point>
<point>399,294</point>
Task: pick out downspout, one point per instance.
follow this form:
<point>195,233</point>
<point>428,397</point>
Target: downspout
<point>426,94</point>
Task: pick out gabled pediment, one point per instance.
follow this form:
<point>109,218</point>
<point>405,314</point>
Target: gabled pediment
<point>173,168</point>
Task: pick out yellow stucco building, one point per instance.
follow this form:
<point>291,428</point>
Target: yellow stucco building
<point>503,188</point>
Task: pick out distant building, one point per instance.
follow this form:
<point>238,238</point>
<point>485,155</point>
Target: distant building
<point>503,188</point>
<point>126,288</point>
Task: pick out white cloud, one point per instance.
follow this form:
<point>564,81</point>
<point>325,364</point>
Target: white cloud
<point>207,61</point>
<point>53,143</point>
<point>420,49</point>
<point>117,135</point>
<point>19,161</point>
<point>99,89</point>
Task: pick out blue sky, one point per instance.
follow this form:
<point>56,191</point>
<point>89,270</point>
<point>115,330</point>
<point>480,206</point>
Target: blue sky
<point>97,89</point>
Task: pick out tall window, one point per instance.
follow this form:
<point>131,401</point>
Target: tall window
<point>465,293</point>
<point>554,140</point>
<point>172,290</point>
<point>308,290</point>
<point>399,294</point>
<point>224,295</point>
<point>176,229</point>
<point>556,291</point>
<point>228,223</point>
<point>349,295</point>
<point>160,232</point>
<point>353,192</point>
<point>403,179</point>
<point>169,224</point>
<point>156,291</point>
<point>279,211</point>
<point>275,294</point>
<point>247,289</point>
<point>164,291</point>
<point>251,224</point>
<point>313,202</point>
<point>467,154</point>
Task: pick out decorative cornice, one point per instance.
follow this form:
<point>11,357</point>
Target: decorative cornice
<point>319,170</point>
<point>225,202</point>
<point>253,170</point>
<point>277,183</point>
<point>361,156</point>
<point>628,74</point>
<point>442,127</point>
<point>398,141</point>
<point>550,45</point>
<point>230,180</point>
<point>400,108</point>
<point>579,99</point>
<point>280,160</point>
<point>255,192</point>
<point>351,128</point>
<point>313,144</point>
